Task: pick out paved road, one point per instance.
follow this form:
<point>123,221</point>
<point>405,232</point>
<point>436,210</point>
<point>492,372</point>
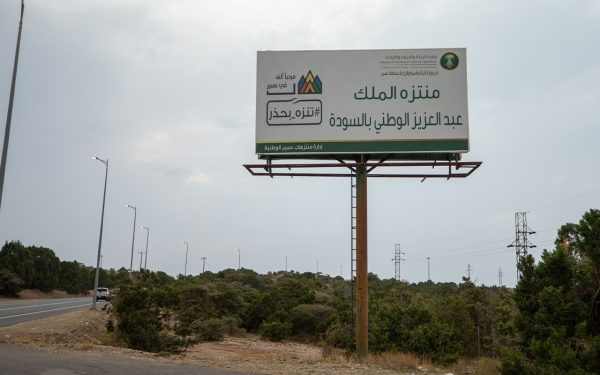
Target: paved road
<point>20,360</point>
<point>23,311</point>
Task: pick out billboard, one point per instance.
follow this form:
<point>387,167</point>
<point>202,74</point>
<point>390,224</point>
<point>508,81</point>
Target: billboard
<point>362,102</point>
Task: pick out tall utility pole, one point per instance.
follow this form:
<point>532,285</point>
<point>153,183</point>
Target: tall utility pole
<point>285,262</point>
<point>147,235</point>
<point>141,257</point>
<point>187,247</point>
<point>521,243</point>
<point>397,259</point>
<point>428,275</point>
<point>10,108</point>
<point>203,262</point>
<point>239,258</point>
<point>134,208</point>
<point>99,259</point>
<point>469,270</point>
<point>499,276</point>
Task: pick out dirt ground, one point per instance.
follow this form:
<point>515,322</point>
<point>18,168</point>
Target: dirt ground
<point>83,332</point>
<point>38,294</point>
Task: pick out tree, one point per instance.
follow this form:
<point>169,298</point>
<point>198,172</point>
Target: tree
<point>10,283</point>
<point>19,260</point>
<point>557,326</point>
<point>47,269</point>
<point>74,278</point>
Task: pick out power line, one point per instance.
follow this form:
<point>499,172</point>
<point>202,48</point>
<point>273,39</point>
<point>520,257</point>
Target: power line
<point>568,199</point>
<point>504,221</point>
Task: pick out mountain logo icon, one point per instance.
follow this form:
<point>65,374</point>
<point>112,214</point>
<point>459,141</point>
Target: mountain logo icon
<point>310,84</point>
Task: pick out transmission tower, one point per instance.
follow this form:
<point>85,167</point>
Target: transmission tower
<point>499,276</point>
<point>397,259</point>
<point>469,270</point>
<point>521,243</point>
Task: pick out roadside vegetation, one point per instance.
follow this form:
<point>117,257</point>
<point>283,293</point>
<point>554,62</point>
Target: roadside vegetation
<point>549,324</point>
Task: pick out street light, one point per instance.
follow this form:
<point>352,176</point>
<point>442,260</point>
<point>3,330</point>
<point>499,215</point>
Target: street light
<point>147,235</point>
<point>317,274</point>
<point>203,262</point>
<point>105,162</point>
<point>239,258</point>
<point>285,262</point>
<point>141,255</point>
<point>341,272</point>
<point>133,239</point>
<point>186,253</point>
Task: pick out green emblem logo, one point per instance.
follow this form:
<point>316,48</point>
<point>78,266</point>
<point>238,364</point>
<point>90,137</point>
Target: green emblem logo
<point>449,61</point>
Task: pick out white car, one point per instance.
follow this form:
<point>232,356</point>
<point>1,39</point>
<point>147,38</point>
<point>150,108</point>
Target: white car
<point>102,293</point>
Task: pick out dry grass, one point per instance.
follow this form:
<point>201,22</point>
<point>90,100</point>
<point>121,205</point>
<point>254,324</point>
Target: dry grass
<point>483,366</point>
<point>387,360</point>
<point>487,366</point>
<point>399,360</point>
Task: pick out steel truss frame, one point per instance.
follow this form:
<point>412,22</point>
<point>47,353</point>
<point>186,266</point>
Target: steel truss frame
<point>272,170</point>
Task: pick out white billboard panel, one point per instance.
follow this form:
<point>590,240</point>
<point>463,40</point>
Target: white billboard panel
<point>357,102</point>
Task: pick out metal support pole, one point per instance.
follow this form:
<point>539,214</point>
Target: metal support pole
<point>362,286</point>
<point>147,236</point>
<point>10,107</point>
<point>100,239</point>
<point>428,274</point>
<point>203,262</point>
<point>187,246</point>
<point>134,208</point>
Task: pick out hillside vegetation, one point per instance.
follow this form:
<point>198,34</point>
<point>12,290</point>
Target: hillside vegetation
<point>549,324</point>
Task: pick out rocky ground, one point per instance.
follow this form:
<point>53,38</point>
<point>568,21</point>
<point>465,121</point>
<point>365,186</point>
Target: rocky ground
<point>84,333</point>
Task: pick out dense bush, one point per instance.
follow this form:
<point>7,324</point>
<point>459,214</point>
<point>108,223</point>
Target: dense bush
<point>18,259</point>
<point>10,283</point>
<point>143,309</point>
<point>47,269</point>
<point>275,331</point>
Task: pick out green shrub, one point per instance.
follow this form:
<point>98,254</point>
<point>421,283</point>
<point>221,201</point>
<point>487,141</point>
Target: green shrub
<point>275,331</point>
<point>10,283</point>
<point>110,325</point>
<point>210,330</point>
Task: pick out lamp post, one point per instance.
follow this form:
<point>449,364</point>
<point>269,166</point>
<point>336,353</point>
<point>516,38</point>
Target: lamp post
<point>147,235</point>
<point>133,239</point>
<point>105,162</point>
<point>239,258</point>
<point>341,272</point>
<point>186,253</point>
<point>285,262</point>
<point>317,274</point>
<point>141,255</point>
<point>11,99</point>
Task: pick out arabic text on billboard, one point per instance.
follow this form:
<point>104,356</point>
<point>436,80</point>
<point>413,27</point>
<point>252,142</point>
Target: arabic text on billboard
<point>356,102</point>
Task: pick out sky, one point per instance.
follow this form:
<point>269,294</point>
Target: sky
<point>166,92</point>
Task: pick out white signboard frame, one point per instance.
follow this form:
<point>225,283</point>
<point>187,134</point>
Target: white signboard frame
<point>362,102</point>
